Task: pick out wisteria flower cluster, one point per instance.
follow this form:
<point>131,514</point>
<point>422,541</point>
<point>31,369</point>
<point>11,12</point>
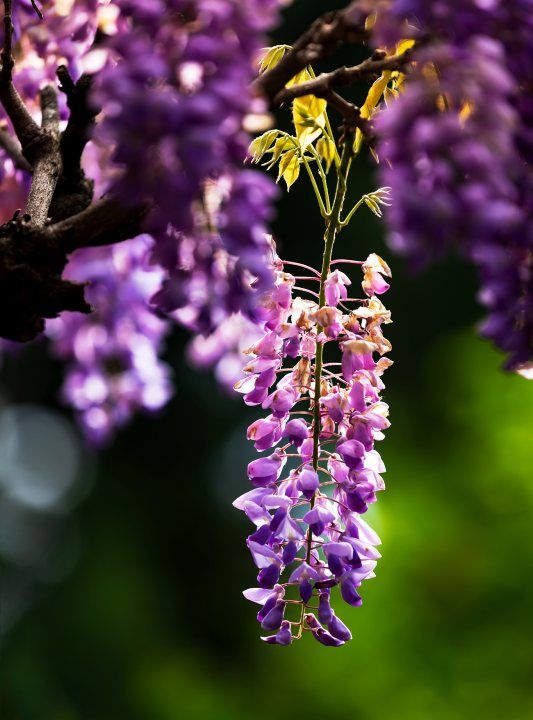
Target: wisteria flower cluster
<point>322,470</point>
<point>458,148</point>
<point>174,83</point>
<point>177,98</point>
<point>111,356</point>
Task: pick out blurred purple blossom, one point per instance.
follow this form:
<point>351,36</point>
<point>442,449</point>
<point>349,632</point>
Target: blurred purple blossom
<point>113,369</point>
<point>457,150</point>
<point>176,95</point>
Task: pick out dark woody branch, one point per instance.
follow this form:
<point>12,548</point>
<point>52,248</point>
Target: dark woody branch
<point>32,260</point>
<point>47,162</point>
<point>74,190</point>
<point>105,222</point>
<point>324,36</point>
<point>24,125</point>
<point>39,145</point>
<point>80,123</point>
<point>59,217</point>
<point>13,149</point>
<point>350,112</point>
<point>31,286</point>
<point>324,83</point>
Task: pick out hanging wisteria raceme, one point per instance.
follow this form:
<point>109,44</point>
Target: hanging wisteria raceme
<point>177,100</point>
<point>458,21</point>
<point>112,364</point>
<point>321,470</point>
<point>442,146</point>
<point>460,174</point>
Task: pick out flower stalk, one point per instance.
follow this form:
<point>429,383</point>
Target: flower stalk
<point>309,521</point>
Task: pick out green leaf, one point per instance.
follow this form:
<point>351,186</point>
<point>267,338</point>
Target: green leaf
<point>372,100</point>
<point>308,112</point>
<point>326,149</point>
<point>261,145</point>
<point>289,168</point>
<point>283,144</point>
<point>272,57</point>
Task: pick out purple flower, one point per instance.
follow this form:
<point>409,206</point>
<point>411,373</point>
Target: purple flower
<point>274,618</point>
<point>325,613</point>
<point>308,482</point>
<point>352,452</point>
<point>113,368</point>
<point>349,592</point>
<point>282,637</point>
<point>320,634</point>
<point>461,176</point>
<point>281,401</point>
<point>335,287</point>
<point>309,519</point>
<point>266,470</point>
<point>318,518</point>
<point>265,433</point>
<point>338,629</point>
<point>176,97</point>
<point>296,431</point>
<point>336,404</point>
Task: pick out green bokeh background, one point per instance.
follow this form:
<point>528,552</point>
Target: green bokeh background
<point>150,623</point>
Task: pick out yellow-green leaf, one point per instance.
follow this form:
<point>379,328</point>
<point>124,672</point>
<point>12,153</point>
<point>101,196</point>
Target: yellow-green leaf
<point>308,112</point>
<point>372,99</point>
<point>404,45</point>
<point>289,168</point>
<point>283,144</point>
<point>326,149</point>
<point>261,145</point>
<point>272,57</point>
<point>309,118</point>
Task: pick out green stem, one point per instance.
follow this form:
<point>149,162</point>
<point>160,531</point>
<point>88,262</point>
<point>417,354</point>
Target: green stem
<point>352,212</point>
<point>332,228</point>
<point>320,201</point>
<point>321,205</point>
<point>329,132</point>
<point>323,176</point>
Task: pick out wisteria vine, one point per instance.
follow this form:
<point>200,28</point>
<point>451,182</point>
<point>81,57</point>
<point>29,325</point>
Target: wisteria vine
<point>317,370</point>
<point>128,122</point>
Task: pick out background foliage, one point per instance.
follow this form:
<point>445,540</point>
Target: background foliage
<point>136,611</point>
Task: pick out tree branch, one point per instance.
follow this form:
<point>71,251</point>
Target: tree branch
<point>47,165</point>
<point>24,125</point>
<point>31,286</point>
<point>32,260</point>
<point>74,190</point>
<point>80,123</point>
<point>13,150</point>
<point>350,112</point>
<point>105,222</point>
<point>324,36</point>
<point>324,83</point>
<point>33,253</point>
